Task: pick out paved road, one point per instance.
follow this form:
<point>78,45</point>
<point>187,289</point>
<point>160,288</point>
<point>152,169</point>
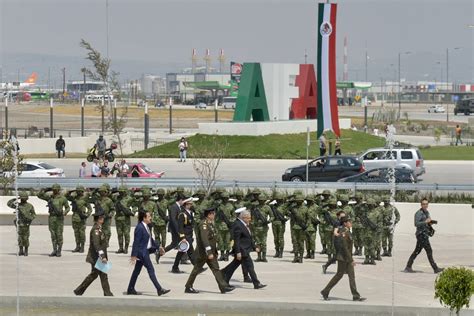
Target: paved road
<point>442,172</point>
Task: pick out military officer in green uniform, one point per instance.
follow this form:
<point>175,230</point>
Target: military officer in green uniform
<point>372,224</point>
<point>224,220</point>
<point>325,195</point>
<point>206,252</point>
<point>81,210</point>
<point>58,207</point>
<point>160,218</point>
<point>391,217</point>
<point>26,215</point>
<point>313,222</point>
<point>261,217</point>
<point>359,208</point>
<point>298,213</point>
<point>97,249</point>
<point>329,221</point>
<point>279,219</point>
<point>104,204</point>
<point>125,207</point>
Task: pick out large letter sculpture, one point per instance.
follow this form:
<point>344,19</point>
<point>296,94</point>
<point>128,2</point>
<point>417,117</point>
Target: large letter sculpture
<point>305,105</point>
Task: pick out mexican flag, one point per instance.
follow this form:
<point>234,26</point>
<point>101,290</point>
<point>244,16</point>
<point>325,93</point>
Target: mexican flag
<point>328,118</point>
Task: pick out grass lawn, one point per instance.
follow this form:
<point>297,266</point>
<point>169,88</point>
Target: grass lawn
<point>448,153</point>
<point>289,146</point>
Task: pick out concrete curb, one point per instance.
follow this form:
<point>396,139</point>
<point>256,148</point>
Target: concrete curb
<point>165,305</point>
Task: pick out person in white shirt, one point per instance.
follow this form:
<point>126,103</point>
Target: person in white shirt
<point>183,148</point>
<point>82,170</point>
<point>95,169</point>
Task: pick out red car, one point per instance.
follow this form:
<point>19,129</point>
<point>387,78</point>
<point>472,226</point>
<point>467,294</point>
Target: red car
<point>139,170</point>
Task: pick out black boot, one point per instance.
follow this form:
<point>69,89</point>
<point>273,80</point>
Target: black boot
<point>280,253</point>
<point>58,253</point>
<point>55,249</point>
<point>77,248</point>
<point>295,259</point>
<point>312,254</point>
<point>125,249</point>
<point>323,251</point>
<point>226,256</point>
<point>157,257</point>
<point>277,253</point>
<point>221,258</point>
<point>308,254</point>
<point>81,247</point>
<point>259,257</point>
<point>264,256</point>
<point>21,253</point>
<point>300,260</point>
<point>26,252</point>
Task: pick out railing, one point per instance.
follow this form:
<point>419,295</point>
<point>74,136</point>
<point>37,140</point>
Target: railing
<point>194,183</point>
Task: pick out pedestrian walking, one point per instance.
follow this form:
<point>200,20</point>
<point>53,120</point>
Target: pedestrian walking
<point>97,249</point>
<point>458,131</point>
<point>61,146</point>
<point>345,262</point>
<point>183,148</point>
<point>82,170</point>
<point>424,231</point>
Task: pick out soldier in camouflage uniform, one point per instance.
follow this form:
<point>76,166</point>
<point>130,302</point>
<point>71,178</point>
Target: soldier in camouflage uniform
<point>313,222</point>
<point>124,208</point>
<point>200,206</point>
<point>279,218</point>
<point>58,207</point>
<point>224,220</point>
<point>238,195</point>
<point>324,242</point>
<point>329,220</point>
<point>103,203</point>
<point>26,215</point>
<point>357,229</point>
<point>298,213</point>
<point>391,217</point>
<point>261,217</point>
<point>147,205</point>
<point>81,210</point>
<point>372,227</point>
<point>160,218</point>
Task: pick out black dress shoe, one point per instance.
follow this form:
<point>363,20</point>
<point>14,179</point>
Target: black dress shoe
<point>408,270</point>
<point>259,286</point>
<point>162,291</point>
<point>108,294</point>
<point>177,271</point>
<point>227,289</point>
<point>438,270</point>
<point>325,296</point>
<point>359,299</point>
<point>191,290</point>
<point>132,292</point>
<point>324,268</point>
<point>77,293</point>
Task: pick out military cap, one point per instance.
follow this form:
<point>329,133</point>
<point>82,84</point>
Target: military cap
<point>209,210</point>
<point>80,188</point>
<point>371,201</point>
<point>98,213</point>
<point>56,187</point>
<point>225,194</point>
<point>240,210</point>
<point>122,188</point>
<point>345,219</point>
<point>332,201</point>
<point>23,195</point>
<point>160,191</point>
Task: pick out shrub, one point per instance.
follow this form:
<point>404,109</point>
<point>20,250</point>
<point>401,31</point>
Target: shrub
<point>454,288</point>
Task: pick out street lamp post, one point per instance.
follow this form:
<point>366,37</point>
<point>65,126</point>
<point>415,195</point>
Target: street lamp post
<point>447,80</point>
<point>400,83</point>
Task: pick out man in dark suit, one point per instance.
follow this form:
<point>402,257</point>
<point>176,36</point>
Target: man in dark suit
<point>97,249</point>
<point>243,245</point>
<point>143,245</point>
<point>174,210</point>
<point>345,262</point>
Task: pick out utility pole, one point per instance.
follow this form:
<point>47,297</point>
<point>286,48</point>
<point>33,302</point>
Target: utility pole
<point>305,56</point>
<point>64,83</point>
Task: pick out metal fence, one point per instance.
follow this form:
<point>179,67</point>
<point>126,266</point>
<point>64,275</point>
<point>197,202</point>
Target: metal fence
<point>194,183</point>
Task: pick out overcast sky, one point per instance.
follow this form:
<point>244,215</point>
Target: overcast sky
<point>157,36</point>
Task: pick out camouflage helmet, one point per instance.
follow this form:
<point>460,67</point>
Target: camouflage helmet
<point>107,186</point>
<point>256,191</point>
<point>310,198</point>
<point>180,189</point>
<point>262,197</point>
<point>238,193</point>
<point>298,197</point>
<point>278,196</point>
<point>326,192</point>
<point>102,188</point>
<point>80,188</point>
<point>225,195</point>
<point>386,198</point>
<point>122,188</point>
<point>331,201</point>
<point>371,201</point>
<point>146,191</point>
<point>160,191</point>
<point>344,198</point>
<point>56,187</point>
<point>23,195</point>
<point>359,196</point>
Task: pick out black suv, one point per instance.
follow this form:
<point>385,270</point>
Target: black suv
<point>325,169</point>
<point>465,106</point>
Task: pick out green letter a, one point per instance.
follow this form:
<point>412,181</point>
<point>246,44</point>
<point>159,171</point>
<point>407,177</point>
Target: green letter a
<point>251,100</point>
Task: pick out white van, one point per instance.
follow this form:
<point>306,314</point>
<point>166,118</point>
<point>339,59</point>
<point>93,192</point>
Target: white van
<point>229,102</point>
<point>407,158</point>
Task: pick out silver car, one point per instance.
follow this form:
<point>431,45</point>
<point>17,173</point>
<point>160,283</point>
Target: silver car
<point>407,158</point>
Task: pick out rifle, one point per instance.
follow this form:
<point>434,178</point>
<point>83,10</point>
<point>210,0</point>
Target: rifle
<point>124,210</point>
<point>329,220</point>
<point>256,213</point>
<point>278,216</point>
<point>367,222</point>
<point>222,217</point>
<point>297,221</point>
<point>52,210</point>
<point>163,215</point>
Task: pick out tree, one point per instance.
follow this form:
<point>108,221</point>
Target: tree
<point>454,288</point>
<point>109,78</point>
<point>207,160</point>
<point>9,160</point>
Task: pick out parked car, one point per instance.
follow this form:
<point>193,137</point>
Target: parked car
<point>436,109</point>
<point>39,169</point>
<point>465,106</point>
<point>325,169</point>
<point>381,175</point>
<point>201,105</point>
<point>159,104</point>
<point>407,158</point>
<point>139,170</point>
